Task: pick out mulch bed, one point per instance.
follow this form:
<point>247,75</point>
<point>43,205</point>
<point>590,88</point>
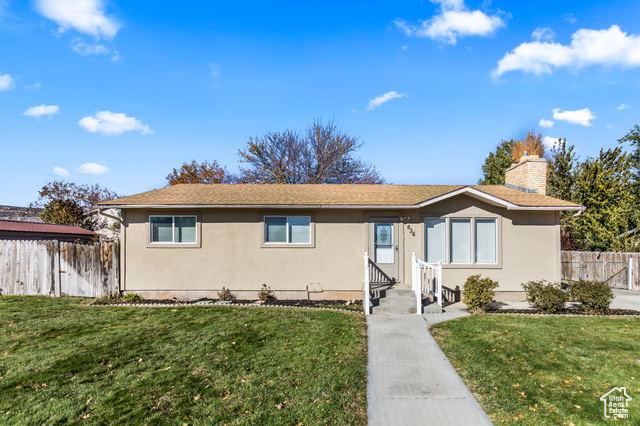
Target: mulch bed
<point>355,306</point>
<point>567,312</point>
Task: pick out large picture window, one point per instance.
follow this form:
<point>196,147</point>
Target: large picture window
<point>287,229</point>
<point>461,240</point>
<point>173,229</point>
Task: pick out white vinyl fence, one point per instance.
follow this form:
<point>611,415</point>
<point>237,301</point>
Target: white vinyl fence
<point>52,268</point>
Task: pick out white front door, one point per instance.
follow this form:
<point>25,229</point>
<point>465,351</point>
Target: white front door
<point>383,245</point>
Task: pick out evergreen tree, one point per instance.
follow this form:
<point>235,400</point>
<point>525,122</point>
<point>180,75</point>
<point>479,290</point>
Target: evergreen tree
<point>562,170</point>
<point>604,186</point>
<point>496,164</point>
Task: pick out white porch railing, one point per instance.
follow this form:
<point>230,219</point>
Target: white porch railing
<point>426,278</point>
<point>366,291</point>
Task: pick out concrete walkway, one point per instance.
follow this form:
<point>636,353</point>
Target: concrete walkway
<point>410,380</point>
<point>624,299</point>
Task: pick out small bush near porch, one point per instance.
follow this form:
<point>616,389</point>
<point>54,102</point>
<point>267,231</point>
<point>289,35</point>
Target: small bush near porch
<point>62,361</point>
<point>544,370</point>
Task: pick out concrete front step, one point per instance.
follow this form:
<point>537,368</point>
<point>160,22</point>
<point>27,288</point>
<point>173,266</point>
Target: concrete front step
<point>395,301</point>
<point>395,310</point>
<point>400,301</point>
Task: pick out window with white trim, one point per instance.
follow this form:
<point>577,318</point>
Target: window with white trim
<point>457,240</point>
<point>287,229</point>
<point>173,229</point>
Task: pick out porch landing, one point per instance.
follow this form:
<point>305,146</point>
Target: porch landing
<point>410,380</point>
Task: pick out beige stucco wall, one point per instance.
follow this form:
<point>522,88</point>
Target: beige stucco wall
<point>231,253</point>
<point>528,246</point>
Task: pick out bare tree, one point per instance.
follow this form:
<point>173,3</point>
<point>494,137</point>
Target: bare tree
<point>321,154</point>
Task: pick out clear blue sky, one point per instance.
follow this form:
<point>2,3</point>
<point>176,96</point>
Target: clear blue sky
<point>119,93</point>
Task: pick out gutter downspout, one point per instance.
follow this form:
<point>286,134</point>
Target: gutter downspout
<point>100,211</point>
<point>583,208</point>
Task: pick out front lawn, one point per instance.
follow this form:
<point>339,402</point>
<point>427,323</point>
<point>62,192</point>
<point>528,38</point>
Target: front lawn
<point>544,370</point>
<point>62,361</point>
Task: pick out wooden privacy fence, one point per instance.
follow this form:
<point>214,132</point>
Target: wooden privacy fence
<point>619,270</point>
<point>52,268</point>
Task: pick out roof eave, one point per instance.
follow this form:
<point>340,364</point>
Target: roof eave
<point>263,206</point>
<point>325,206</point>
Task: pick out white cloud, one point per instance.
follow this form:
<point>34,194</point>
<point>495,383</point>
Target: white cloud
<point>623,106</point>
<point>86,49</point>
<point>85,16</point>
<point>113,123</point>
<point>93,169</point>
<point>59,171</point>
<point>35,85</point>
<point>543,33</point>
<point>582,117</point>
<point>6,82</point>
<point>403,48</point>
<point>549,142</point>
<point>454,20</point>
<point>376,102</point>
<point>91,49</point>
<point>546,123</point>
<point>588,47</point>
<point>40,110</point>
<point>610,126</point>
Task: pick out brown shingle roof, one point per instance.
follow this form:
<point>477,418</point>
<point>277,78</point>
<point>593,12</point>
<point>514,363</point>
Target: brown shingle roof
<point>322,195</point>
<point>48,228</point>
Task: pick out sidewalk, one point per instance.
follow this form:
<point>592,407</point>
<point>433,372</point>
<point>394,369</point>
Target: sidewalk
<point>624,299</point>
<point>410,381</point>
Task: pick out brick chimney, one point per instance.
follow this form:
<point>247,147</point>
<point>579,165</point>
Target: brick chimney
<point>528,175</point>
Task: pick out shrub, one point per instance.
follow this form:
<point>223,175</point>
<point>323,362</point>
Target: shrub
<point>548,297</point>
<point>594,296</point>
<point>225,295</point>
<point>108,298</point>
<point>478,292</point>
<point>131,297</point>
<point>265,293</point>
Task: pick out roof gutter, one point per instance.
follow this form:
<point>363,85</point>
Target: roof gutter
<point>508,206</point>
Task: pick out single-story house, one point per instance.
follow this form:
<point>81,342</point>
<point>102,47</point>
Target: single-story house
<point>308,241</point>
<point>20,230</point>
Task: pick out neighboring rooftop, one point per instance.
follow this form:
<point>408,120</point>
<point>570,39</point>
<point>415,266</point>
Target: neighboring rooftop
<point>45,228</point>
<point>408,196</point>
<point>26,214</point>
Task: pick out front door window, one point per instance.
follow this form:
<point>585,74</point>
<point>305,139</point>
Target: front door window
<point>383,241</point>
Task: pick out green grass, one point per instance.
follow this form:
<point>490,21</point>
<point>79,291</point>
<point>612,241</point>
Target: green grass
<point>545,370</point>
<point>62,361</point>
